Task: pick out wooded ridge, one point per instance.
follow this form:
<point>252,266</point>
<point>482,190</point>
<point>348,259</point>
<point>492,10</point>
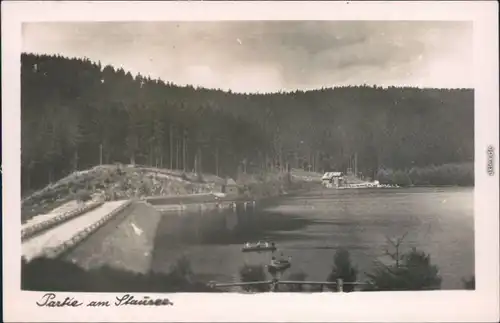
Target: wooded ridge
<point>77,114</point>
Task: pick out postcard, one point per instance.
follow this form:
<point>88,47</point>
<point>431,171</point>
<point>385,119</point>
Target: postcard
<point>250,161</point>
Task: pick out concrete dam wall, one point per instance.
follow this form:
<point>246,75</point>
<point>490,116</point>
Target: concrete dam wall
<point>126,242</point>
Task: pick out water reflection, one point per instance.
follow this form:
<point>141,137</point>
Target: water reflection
<point>226,226</point>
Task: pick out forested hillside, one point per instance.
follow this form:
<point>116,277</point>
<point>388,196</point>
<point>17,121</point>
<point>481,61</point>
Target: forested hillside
<point>77,114</point>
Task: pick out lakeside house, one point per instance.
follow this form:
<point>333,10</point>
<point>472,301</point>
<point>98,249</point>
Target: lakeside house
<point>333,179</point>
<point>230,187</point>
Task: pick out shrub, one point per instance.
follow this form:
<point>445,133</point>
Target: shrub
<point>83,195</point>
<point>110,195</point>
<point>384,176</point>
<point>414,272</point>
<point>400,178</point>
<point>418,176</point>
<point>342,269</point>
<point>145,187</point>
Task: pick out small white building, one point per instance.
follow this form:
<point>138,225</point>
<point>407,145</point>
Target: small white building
<point>230,188</point>
<point>333,179</point>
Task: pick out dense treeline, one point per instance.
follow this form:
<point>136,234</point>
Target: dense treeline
<point>443,175</point>
<point>76,114</point>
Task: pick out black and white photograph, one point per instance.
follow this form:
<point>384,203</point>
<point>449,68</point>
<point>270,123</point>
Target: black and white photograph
<point>247,157</point>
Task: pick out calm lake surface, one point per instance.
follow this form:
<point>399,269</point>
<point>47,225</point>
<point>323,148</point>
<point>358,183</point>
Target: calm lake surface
<point>312,225</point>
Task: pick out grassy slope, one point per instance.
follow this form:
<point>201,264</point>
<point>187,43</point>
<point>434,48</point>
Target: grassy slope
<point>114,182</point>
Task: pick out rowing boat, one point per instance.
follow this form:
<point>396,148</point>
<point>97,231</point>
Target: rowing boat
<point>259,246</point>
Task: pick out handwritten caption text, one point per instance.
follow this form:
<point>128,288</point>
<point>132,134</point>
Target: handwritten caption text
<point>51,300</point>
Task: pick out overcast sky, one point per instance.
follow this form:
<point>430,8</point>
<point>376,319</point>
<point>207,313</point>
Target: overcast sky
<point>268,56</point>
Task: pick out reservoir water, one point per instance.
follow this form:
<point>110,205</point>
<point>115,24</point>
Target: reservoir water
<point>310,226</point>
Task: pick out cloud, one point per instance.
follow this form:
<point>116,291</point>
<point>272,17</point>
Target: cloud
<point>250,56</point>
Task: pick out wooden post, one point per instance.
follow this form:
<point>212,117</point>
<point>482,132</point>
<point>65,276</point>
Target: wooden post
<point>340,285</point>
<point>274,285</point>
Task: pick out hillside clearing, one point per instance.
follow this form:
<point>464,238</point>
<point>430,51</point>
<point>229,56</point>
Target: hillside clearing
<point>118,182</point>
